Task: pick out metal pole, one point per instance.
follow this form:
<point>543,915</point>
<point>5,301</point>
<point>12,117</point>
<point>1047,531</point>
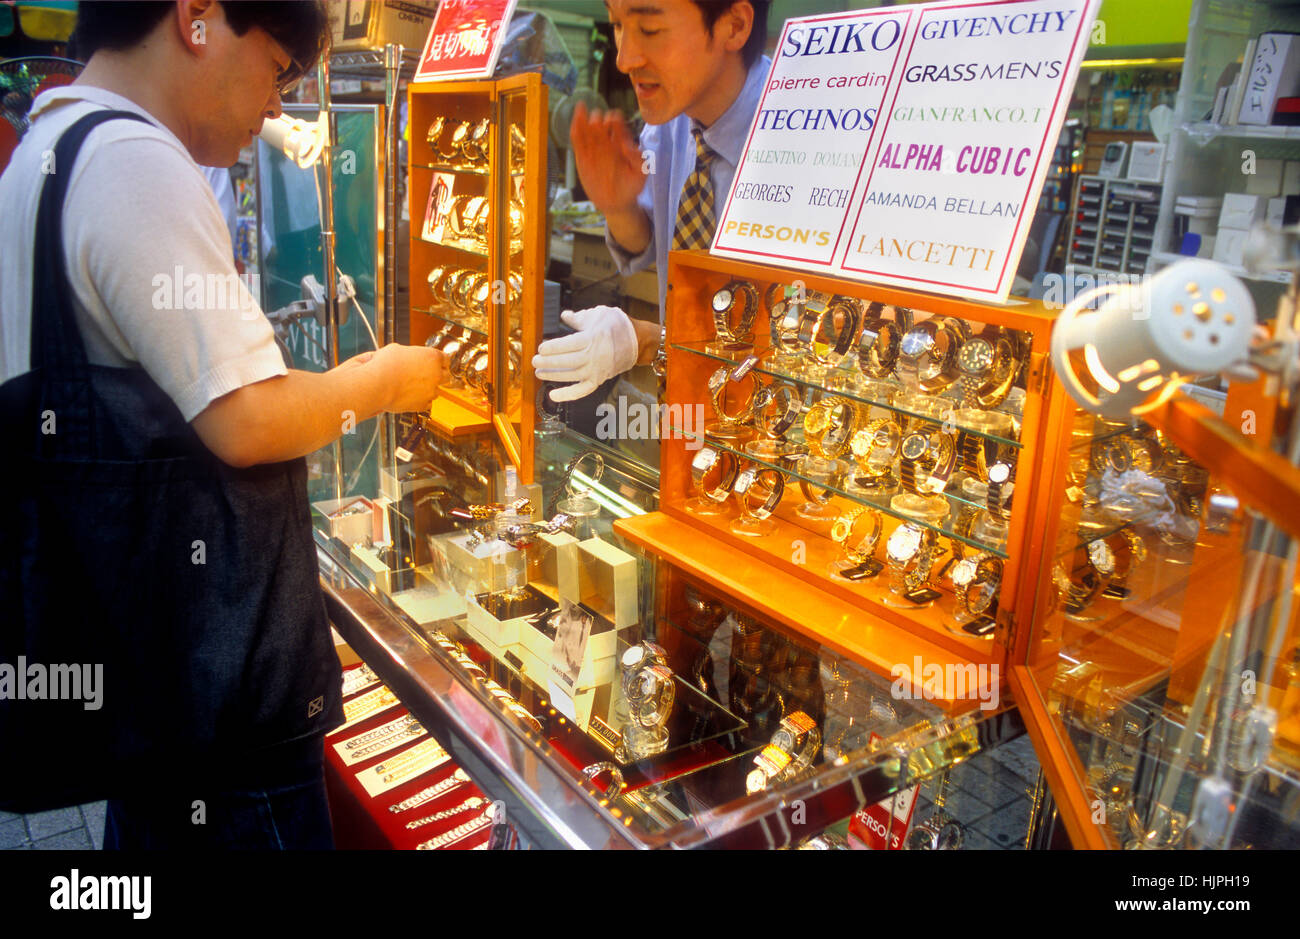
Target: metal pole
<point>326,168</point>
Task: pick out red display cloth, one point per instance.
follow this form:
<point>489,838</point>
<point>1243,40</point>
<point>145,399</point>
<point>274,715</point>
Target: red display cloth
<point>365,822</point>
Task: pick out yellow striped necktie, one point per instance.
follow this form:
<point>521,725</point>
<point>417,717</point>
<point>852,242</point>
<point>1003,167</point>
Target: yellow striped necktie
<point>696,219</point>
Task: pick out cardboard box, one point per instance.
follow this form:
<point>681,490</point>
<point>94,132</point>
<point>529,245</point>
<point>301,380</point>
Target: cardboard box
<point>356,527</point>
<point>375,23</point>
<point>1229,246</point>
<point>1267,178</point>
<point>489,567</point>
<point>394,487</point>
<point>1241,210</point>
<point>375,572</point>
<point>497,624</point>
<point>1291,178</point>
<point>607,582</point>
<point>644,286</point>
<point>553,564</point>
<point>426,603</point>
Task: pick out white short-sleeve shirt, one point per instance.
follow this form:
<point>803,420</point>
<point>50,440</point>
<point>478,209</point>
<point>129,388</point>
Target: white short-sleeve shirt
<point>148,256</point>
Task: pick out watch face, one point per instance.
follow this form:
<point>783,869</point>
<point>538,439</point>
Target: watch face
<point>916,343</point>
<point>816,420</point>
<point>904,543</point>
<point>999,473</point>
<point>633,656</point>
<point>981,597</point>
<point>976,356</point>
<point>914,446</point>
<point>1102,557</point>
<point>722,300</point>
<point>963,572</point>
<point>704,460</point>
<point>861,445</point>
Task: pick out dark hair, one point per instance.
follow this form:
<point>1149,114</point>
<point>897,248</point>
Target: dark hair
<point>712,10</point>
<point>298,25</point>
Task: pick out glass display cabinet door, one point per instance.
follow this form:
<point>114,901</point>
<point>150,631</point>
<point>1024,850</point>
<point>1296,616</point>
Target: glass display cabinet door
<point>520,139</point>
<point>1162,689</point>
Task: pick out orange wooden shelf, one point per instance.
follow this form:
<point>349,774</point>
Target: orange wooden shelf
<point>455,420</point>
<point>795,603</point>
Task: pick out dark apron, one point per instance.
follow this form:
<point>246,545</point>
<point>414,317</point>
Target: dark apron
<point>124,543</point>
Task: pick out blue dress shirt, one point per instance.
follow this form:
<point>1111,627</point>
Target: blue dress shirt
<point>673,150</point>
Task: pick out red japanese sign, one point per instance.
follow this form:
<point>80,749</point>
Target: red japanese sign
<point>465,40</point>
<point>883,826</point>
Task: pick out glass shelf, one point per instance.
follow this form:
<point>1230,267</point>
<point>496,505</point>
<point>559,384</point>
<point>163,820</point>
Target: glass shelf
<point>698,348</point>
<point>450,315</point>
<point>1207,130</point>
<point>461,170</point>
<point>464,247</point>
<point>695,718</point>
<point>880,504</point>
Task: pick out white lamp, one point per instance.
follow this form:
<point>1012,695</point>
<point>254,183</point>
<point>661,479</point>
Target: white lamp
<point>1192,318</point>
<point>299,140</point>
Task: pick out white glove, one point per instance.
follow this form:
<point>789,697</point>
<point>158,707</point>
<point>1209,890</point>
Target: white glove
<point>604,345</point>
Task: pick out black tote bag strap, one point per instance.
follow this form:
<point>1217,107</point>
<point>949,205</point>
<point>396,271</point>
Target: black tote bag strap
<point>55,339</point>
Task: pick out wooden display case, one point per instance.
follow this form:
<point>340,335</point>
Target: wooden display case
<point>786,576</point>
<point>477,196</point>
<point>1167,618</point>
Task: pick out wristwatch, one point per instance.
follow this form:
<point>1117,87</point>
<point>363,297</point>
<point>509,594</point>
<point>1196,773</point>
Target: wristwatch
<point>659,365</point>
<point>1000,489</point>
<point>878,345</point>
<point>987,368</point>
<point>1077,594</point>
<point>842,534</point>
<point>846,318</point>
<point>828,491</point>
<point>979,594</point>
<point>928,354</point>
<point>927,462</point>
<point>703,466</point>
<point>738,293</point>
<point>644,653</point>
<point>940,832</point>
<point>1124,453</point>
<point>718,383</point>
<point>518,148</point>
<point>650,691</point>
<point>476,146</point>
<point>765,483</point>
<point>788,408</point>
<point>911,550</point>
<point>829,426</point>
<point>875,446</point>
<point>435,131</point>
<point>979,453</point>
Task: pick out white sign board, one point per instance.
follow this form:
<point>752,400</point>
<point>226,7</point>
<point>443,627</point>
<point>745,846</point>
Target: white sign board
<point>907,145</point>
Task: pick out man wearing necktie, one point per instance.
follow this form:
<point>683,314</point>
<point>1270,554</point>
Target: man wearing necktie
<point>698,70</point>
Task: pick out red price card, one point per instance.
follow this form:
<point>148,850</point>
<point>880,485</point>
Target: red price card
<point>465,40</point>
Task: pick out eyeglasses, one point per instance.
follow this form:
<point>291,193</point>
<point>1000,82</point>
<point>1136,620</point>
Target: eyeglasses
<point>287,81</point>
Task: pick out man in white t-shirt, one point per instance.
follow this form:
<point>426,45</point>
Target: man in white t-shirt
<point>155,296</point>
